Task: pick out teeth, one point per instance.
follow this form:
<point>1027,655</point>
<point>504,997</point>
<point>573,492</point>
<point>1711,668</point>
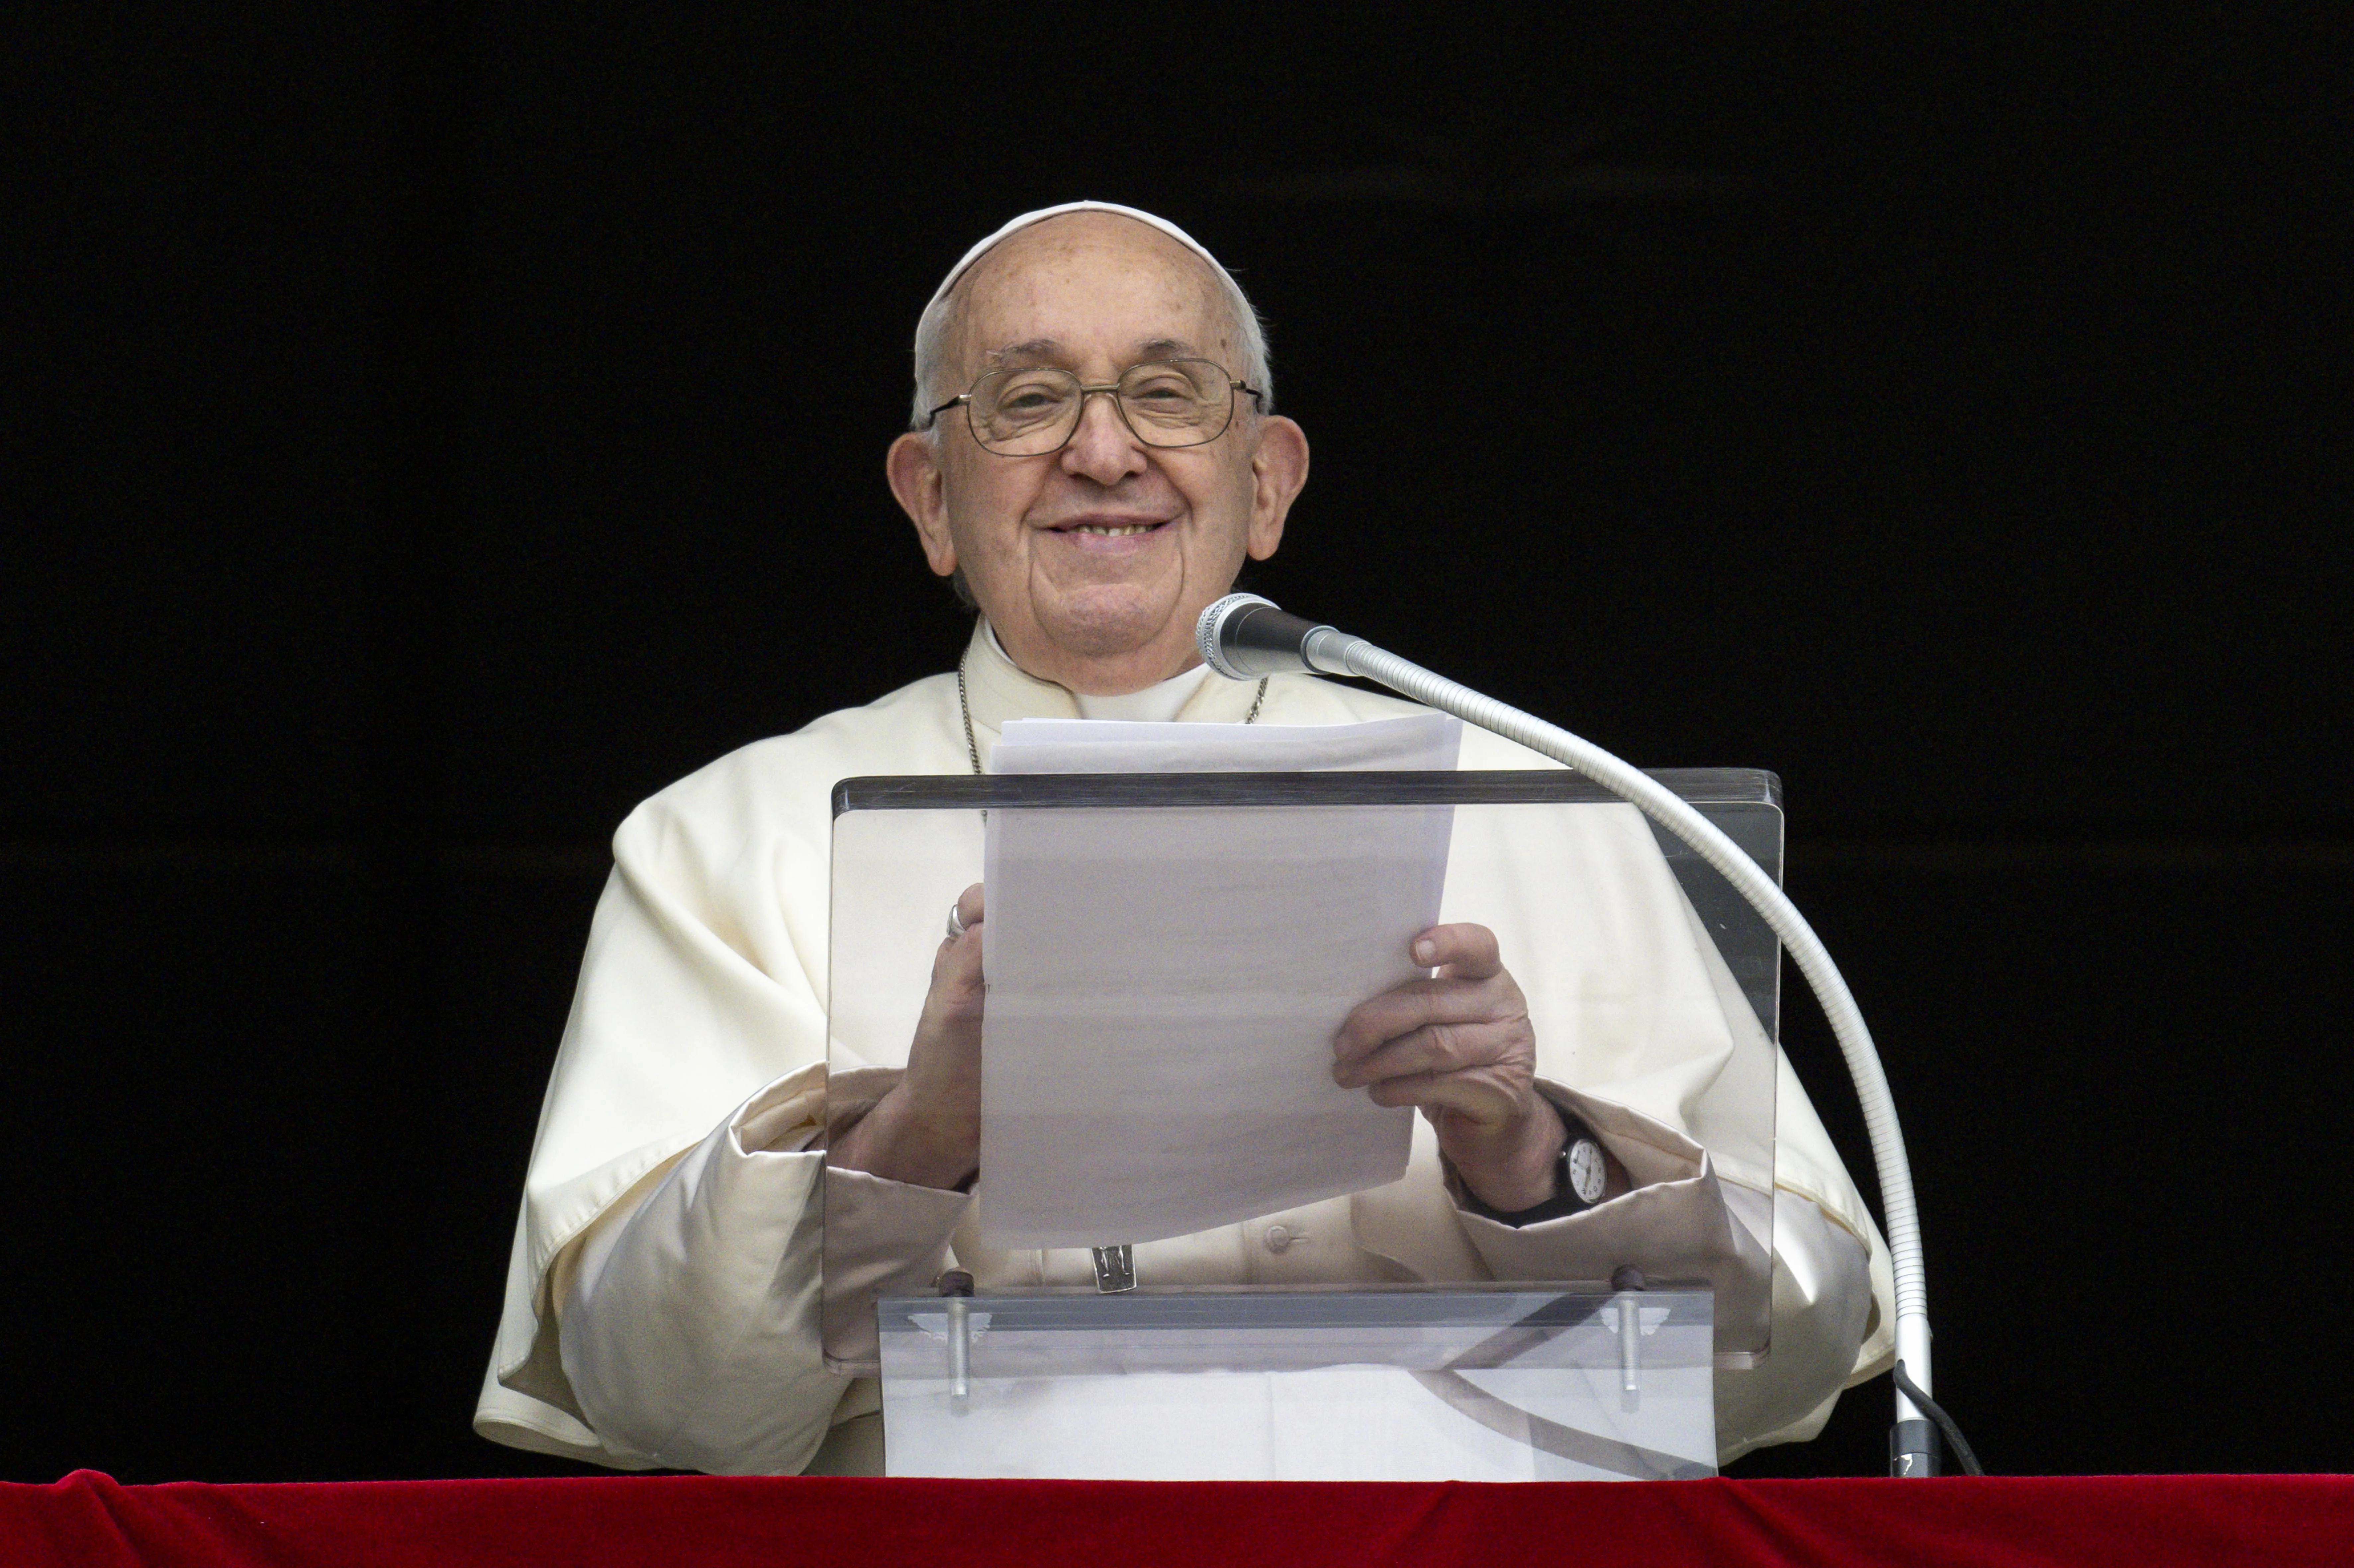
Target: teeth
<point>1115,533</point>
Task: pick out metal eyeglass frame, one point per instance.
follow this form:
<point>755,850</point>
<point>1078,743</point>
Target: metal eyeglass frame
<point>1111,388</point>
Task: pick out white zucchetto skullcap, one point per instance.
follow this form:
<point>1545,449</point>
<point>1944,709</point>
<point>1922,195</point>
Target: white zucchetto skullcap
<point>1044,213</point>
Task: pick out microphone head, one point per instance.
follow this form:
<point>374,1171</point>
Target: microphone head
<point>1243,637</point>
<point>1213,622</point>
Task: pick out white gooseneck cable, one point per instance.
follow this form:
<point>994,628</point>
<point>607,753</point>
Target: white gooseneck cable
<point>1244,637</point>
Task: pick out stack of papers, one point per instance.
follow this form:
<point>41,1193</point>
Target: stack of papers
<point>1164,984</point>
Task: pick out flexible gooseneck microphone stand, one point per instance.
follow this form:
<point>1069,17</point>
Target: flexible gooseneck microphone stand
<point>1244,637</point>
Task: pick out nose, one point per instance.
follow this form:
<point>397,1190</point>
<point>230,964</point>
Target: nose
<point>1103,448</point>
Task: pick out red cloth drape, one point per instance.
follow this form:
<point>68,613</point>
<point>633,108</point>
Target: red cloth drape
<point>87,1520</point>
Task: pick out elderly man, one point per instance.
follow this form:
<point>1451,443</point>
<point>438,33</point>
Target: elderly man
<point>1094,455</point>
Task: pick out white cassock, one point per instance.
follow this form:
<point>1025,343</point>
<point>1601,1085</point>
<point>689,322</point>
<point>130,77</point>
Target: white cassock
<point>663,1301</point>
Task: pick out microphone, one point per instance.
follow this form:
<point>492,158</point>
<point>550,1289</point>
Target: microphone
<point>1243,637</point>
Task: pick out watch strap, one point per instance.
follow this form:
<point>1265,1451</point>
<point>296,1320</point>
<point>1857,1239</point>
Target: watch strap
<point>1564,1201</point>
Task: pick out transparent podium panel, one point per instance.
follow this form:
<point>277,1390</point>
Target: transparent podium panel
<point>1495,1385</point>
<point>1125,1078</point>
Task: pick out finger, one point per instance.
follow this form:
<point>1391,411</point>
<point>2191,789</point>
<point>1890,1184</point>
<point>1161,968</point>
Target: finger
<point>1434,1048</point>
<point>1469,1095</point>
<point>969,907</point>
<point>1466,951</point>
<point>1376,1020</point>
<point>965,913</point>
<point>957,978</point>
<point>958,964</point>
<point>1414,1005</point>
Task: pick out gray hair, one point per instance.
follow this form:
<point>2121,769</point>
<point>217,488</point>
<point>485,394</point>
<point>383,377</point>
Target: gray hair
<point>932,334</point>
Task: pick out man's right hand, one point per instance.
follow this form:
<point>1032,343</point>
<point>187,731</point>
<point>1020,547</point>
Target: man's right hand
<point>927,1129</point>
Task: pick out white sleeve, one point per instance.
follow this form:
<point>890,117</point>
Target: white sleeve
<point>690,1330</point>
<point>700,983</point>
<point>1822,1302</point>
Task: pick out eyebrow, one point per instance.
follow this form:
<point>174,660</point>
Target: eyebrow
<point>1047,347</point>
<point>1036,348</point>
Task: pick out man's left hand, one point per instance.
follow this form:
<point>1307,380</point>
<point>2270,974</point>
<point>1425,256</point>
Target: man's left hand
<point>1460,1046</point>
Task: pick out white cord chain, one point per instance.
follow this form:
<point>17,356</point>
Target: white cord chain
<point>1807,950</point>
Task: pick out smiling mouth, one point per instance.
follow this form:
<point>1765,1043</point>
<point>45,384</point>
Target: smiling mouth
<point>1108,531</point>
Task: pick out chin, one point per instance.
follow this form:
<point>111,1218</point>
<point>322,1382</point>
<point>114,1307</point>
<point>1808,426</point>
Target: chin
<point>1107,622</point>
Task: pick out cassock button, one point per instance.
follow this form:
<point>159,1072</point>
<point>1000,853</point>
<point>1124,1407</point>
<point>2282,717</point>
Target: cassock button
<point>1280,1237</point>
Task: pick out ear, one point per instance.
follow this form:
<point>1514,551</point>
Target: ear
<point>913,465</point>
<point>1279,470</point>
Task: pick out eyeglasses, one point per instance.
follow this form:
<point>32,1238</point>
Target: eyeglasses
<point>1028,411</point>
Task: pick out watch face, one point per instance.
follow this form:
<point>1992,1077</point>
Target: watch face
<point>1587,1173</point>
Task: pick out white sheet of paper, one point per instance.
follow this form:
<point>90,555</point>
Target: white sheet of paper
<point>1164,984</point>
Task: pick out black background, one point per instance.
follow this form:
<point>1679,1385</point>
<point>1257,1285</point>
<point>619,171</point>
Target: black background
<point>430,430</point>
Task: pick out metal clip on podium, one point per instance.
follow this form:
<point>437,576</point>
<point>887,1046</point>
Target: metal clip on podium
<point>1340,1332</point>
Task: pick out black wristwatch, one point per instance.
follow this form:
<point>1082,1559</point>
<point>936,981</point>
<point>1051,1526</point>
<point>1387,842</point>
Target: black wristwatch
<point>1579,1175</point>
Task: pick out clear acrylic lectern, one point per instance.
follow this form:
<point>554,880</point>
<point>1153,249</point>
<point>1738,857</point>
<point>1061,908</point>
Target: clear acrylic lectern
<point>1188,1251</point>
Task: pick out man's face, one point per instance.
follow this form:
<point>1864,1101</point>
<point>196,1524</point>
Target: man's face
<point>1093,562</point>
